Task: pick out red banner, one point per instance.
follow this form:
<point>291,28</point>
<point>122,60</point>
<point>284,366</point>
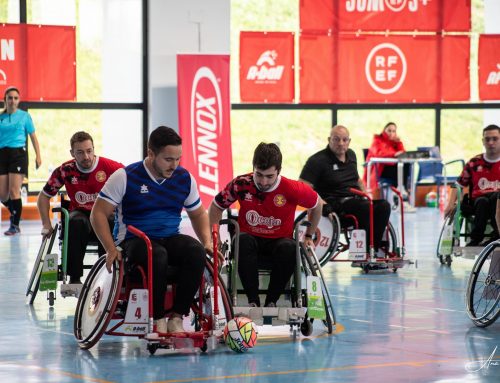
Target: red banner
<point>386,15</point>
<point>39,60</point>
<point>204,121</point>
<point>455,75</point>
<point>267,67</point>
<point>398,68</point>
<point>317,68</point>
<point>51,63</point>
<point>489,67</point>
<point>316,15</point>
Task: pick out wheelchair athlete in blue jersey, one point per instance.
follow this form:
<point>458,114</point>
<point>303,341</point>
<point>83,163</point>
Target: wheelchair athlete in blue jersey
<point>150,195</point>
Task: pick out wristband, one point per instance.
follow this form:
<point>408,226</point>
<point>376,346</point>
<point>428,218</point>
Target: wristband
<point>308,235</point>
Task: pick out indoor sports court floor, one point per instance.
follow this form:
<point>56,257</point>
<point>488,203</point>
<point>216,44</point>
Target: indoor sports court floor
<point>410,326</point>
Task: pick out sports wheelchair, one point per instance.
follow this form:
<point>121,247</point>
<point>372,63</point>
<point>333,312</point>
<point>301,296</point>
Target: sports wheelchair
<point>336,234</point>
<point>305,298</point>
<point>126,296</point>
<point>50,268</point>
<point>456,231</point>
<point>483,288</point>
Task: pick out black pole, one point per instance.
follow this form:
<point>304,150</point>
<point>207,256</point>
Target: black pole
<point>145,75</point>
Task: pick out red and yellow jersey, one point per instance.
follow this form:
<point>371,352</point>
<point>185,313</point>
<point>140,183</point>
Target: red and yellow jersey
<point>271,213</point>
<point>481,176</point>
<point>82,185</point>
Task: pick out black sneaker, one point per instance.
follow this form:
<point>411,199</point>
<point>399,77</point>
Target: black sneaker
<point>75,280</point>
<point>13,230</point>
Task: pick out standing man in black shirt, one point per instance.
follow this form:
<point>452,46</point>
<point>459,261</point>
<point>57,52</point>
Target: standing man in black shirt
<point>332,172</point>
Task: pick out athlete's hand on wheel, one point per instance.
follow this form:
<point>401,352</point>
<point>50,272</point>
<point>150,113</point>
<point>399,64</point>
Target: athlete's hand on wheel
<point>111,255</point>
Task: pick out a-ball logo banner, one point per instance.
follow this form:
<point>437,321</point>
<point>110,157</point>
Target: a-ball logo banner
<point>386,15</point>
<point>266,67</point>
<point>403,68</point>
<point>204,116</point>
<point>489,67</point>
<point>40,60</point>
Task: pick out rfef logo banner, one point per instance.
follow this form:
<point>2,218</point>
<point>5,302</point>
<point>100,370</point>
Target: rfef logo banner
<point>266,67</point>
<point>385,15</point>
<point>401,68</point>
<point>489,67</point>
<point>39,60</point>
<point>204,121</point>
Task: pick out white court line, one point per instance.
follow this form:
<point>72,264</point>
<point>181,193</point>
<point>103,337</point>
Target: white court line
<point>397,303</point>
<point>361,320</point>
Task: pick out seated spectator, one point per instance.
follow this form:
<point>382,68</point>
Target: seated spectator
<point>387,145</point>
<point>332,172</point>
<point>482,177</point>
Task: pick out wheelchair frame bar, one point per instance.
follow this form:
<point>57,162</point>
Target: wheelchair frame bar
<point>236,254</point>
<point>400,196</point>
<point>149,248</point>
<point>215,236</point>
<point>64,250</point>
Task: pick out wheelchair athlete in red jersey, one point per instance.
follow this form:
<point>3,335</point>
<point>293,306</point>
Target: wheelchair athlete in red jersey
<point>266,218</point>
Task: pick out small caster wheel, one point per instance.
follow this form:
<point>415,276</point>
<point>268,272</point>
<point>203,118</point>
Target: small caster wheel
<point>51,298</point>
<point>306,327</point>
<point>152,347</point>
<point>448,260</point>
<point>204,348</point>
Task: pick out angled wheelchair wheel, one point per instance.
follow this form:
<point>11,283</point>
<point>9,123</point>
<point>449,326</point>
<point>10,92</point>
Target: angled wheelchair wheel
<point>326,237</point>
<point>203,314</point>
<point>36,273</point>
<point>97,302</point>
<point>311,267</point>
<point>389,243</point>
<point>483,288</point>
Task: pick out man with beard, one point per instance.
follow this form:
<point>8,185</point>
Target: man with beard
<point>83,177</point>
<point>150,195</point>
<point>482,176</point>
<point>266,218</point>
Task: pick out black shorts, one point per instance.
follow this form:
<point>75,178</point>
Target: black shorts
<point>13,160</point>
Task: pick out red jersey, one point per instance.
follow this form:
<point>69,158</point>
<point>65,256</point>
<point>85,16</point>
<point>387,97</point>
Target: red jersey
<point>82,185</point>
<point>481,176</point>
<point>268,214</point>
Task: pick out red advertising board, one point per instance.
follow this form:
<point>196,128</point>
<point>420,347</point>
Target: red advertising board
<point>489,67</point>
<point>317,68</point>
<point>204,121</point>
<point>386,15</point>
<point>316,15</point>
<point>267,67</point>
<point>455,61</point>
<point>397,68</point>
<point>39,60</point>
<point>51,63</point>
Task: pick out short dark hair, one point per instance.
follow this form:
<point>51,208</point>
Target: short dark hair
<point>266,156</point>
<point>161,137</point>
<point>10,89</point>
<point>80,137</point>
<point>491,127</point>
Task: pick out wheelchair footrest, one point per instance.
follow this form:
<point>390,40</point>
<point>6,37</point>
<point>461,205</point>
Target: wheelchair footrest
<point>71,290</point>
<point>468,252</point>
<point>277,316</point>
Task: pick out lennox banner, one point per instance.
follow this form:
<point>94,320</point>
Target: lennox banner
<point>204,120</point>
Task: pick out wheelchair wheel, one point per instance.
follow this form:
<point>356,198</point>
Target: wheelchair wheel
<point>445,258</point>
<point>326,237</point>
<point>389,243</point>
<point>203,318</point>
<point>36,274</point>
<point>97,302</point>
<point>483,288</point>
<point>311,267</point>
